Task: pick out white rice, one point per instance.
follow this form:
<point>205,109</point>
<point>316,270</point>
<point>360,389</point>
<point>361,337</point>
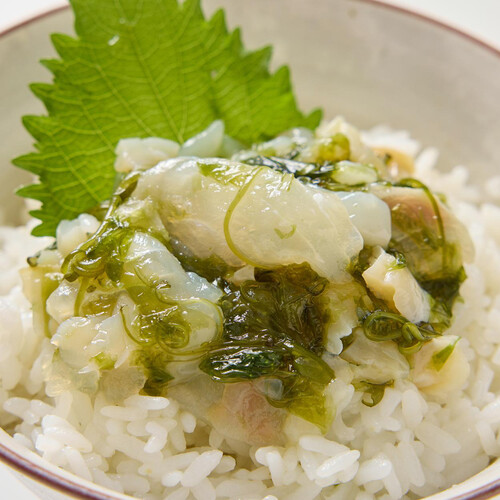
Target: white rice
<point>408,445</point>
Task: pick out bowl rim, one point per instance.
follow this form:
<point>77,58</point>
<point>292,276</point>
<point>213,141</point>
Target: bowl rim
<point>495,49</point>
<point>74,487</point>
<point>77,487</point>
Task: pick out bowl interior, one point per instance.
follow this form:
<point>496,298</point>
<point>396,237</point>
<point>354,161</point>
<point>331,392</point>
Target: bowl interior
<point>375,64</point>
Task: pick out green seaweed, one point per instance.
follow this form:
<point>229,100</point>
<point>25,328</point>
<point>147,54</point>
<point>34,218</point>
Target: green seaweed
<point>273,329</point>
<point>382,325</point>
<point>435,262</point>
<point>373,393</point>
<point>211,268</point>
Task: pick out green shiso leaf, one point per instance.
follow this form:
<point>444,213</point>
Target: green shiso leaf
<point>143,69</point>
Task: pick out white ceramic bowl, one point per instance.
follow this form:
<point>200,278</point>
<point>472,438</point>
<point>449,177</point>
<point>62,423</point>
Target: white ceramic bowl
<point>367,61</point>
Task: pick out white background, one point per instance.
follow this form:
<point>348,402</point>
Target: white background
<point>480,18</point>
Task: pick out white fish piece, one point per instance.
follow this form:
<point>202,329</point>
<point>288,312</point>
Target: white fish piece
<point>193,206</point>
<point>375,362</point>
<point>360,152</point>
<point>137,154</point>
<point>278,146</point>
<point>71,233</point>
<point>440,380</point>
<point>61,302</point>
<point>243,413</point>
<point>342,313</point>
<point>80,339</point>
<point>415,218</point>
<point>278,220</point>
<point>353,173</point>
<point>252,215</point>
<point>38,283</point>
<point>243,274</point>
<point>73,338</point>
<point>370,215</point>
<point>205,144</point>
<point>398,287</point>
<point>152,261</point>
<point>112,340</point>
